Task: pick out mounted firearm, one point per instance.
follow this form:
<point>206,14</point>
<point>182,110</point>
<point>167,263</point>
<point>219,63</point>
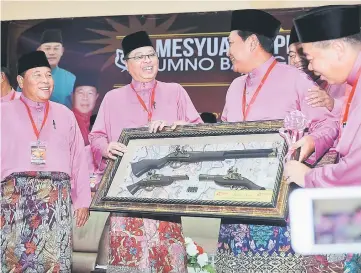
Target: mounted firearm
<point>182,156</point>
<point>232,179</point>
<point>155,180</point>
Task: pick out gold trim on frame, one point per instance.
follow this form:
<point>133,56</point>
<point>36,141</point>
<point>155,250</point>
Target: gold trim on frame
<point>274,212</point>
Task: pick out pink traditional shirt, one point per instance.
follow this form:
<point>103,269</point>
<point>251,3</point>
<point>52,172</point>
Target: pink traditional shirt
<point>284,91</point>
<point>61,135</point>
<point>121,109</point>
<point>347,171</point>
<point>336,91</point>
<point>11,96</point>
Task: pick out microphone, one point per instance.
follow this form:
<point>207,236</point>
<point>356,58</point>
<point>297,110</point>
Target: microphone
<point>154,105</point>
<point>54,124</point>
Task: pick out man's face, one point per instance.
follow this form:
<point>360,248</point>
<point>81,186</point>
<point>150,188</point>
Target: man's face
<point>296,57</point>
<point>85,98</point>
<point>37,84</point>
<point>325,62</point>
<point>238,52</point>
<point>53,52</point>
<point>143,64</point>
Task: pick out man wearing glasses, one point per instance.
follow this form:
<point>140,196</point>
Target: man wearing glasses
<point>139,244</point>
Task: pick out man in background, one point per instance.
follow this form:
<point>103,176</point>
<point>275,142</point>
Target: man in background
<point>7,91</point>
<point>51,43</point>
<point>53,46</point>
<point>84,98</point>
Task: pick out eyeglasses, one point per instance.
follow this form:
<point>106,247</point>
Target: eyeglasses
<point>139,58</point>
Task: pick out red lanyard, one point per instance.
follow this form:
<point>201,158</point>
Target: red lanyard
<point>13,96</point>
<point>349,100</point>
<point>150,111</point>
<point>246,111</point>
<point>36,131</point>
<point>346,107</point>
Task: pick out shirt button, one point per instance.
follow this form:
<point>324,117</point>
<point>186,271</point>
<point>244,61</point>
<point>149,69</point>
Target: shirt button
<point>250,82</point>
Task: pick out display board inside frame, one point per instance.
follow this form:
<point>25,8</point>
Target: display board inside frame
<point>227,170</point>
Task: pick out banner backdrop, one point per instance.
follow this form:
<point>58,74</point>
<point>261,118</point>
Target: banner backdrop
<point>192,49</point>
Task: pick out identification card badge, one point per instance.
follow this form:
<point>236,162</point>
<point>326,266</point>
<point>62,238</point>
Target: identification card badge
<point>38,153</point>
<point>93,181</point>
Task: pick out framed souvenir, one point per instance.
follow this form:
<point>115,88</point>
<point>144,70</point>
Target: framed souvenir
<point>228,170</point>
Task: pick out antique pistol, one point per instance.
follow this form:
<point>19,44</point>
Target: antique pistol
<point>232,179</point>
<point>155,180</point>
<point>180,155</point>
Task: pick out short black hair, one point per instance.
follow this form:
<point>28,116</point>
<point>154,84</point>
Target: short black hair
<point>6,71</point>
<point>265,42</point>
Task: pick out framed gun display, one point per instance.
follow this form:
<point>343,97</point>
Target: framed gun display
<point>236,169</point>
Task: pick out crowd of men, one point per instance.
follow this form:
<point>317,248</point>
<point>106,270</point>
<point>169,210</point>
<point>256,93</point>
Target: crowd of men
<point>51,158</point>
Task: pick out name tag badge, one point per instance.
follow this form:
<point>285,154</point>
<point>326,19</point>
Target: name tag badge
<point>38,153</point>
<point>93,180</point>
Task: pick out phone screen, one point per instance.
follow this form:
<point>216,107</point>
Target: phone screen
<point>337,221</point>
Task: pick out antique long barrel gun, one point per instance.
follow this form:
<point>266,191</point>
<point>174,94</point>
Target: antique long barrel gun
<point>180,155</point>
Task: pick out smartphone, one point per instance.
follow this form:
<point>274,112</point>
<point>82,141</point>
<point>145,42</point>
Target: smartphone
<point>326,220</point>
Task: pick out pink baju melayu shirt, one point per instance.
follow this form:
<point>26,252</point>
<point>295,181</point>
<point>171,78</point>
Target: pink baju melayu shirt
<point>336,91</point>
<point>121,109</point>
<point>13,95</point>
<point>347,171</point>
<point>64,144</point>
<point>284,91</point>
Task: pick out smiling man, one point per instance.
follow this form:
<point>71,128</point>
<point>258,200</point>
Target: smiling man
<point>157,245</point>
<point>43,169</point>
<point>52,44</point>
<point>269,90</point>
<point>335,54</point>
<point>296,57</point>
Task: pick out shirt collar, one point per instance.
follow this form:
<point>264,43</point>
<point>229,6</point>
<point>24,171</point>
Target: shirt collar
<point>55,69</point>
<point>262,69</point>
<point>357,65</point>
<point>33,104</point>
<point>8,96</point>
<point>143,86</point>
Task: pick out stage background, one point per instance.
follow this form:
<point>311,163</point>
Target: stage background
<point>192,48</point>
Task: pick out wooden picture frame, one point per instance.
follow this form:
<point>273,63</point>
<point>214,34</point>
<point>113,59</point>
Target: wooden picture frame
<point>249,146</point>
